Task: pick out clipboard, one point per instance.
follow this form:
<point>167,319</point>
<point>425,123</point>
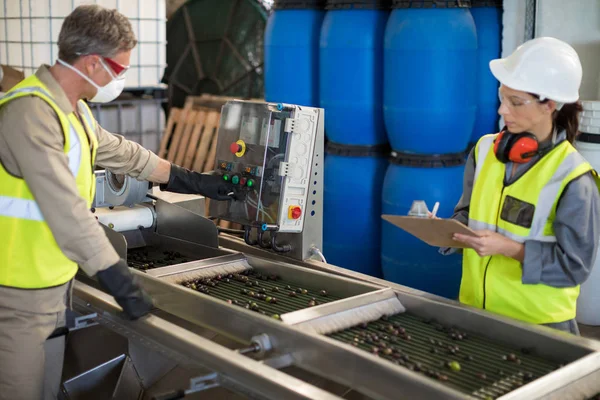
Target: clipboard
<point>434,232</point>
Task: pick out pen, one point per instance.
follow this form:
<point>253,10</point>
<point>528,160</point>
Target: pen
<point>435,209</point>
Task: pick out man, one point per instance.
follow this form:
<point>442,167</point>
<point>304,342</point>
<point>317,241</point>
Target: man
<point>49,145</point>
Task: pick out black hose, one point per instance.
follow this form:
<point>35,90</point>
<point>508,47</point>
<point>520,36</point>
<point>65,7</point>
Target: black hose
<point>279,248</point>
<point>247,231</point>
<point>263,244</point>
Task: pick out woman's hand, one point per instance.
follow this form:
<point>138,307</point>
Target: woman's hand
<point>489,243</point>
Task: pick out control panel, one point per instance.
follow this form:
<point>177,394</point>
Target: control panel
<point>267,150</point>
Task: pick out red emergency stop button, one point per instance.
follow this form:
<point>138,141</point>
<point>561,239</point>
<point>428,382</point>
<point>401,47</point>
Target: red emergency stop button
<point>294,212</point>
<point>235,148</point>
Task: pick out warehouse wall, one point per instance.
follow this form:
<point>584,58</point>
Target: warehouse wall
<point>578,23</point>
<point>575,21</point>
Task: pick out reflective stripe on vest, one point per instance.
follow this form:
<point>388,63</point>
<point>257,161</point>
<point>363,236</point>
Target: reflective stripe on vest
<point>495,282</point>
<point>28,209</point>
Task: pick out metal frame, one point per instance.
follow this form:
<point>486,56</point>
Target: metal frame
<point>235,370</point>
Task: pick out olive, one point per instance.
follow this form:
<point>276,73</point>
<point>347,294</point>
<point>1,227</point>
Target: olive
<point>275,289</point>
<point>227,280</point>
<point>219,277</point>
<point>212,284</point>
<point>375,338</point>
<point>288,287</point>
<point>432,341</point>
<point>511,357</point>
<point>374,350</point>
<point>247,306</point>
<point>263,312</point>
<point>230,301</point>
<point>454,366</point>
<point>304,291</point>
<point>363,325</point>
<point>451,350</point>
<point>528,377</point>
<point>292,294</point>
<point>481,375</point>
<point>400,362</point>
<point>273,300</point>
<point>390,328</point>
<point>354,343</point>
<point>193,286</point>
<point>251,293</point>
<point>440,343</point>
<point>249,284</point>
<point>312,303</point>
<point>406,337</point>
<point>387,351</point>
<point>418,367</point>
<point>256,283</point>
<point>268,299</point>
<point>442,377</point>
<point>468,357</point>
<point>276,316</point>
<point>323,293</point>
<point>230,276</point>
<point>405,357</point>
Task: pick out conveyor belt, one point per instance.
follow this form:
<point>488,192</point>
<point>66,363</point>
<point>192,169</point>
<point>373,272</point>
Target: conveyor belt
<point>470,363</point>
<point>256,292</point>
<point>148,257</point>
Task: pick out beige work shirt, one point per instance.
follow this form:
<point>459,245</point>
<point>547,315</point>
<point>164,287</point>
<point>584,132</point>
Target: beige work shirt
<point>32,147</point>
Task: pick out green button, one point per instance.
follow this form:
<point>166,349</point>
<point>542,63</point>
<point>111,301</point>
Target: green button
<point>250,183</point>
<point>235,180</point>
<point>225,177</point>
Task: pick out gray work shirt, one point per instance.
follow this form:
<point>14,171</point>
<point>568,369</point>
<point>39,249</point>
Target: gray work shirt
<point>569,261</point>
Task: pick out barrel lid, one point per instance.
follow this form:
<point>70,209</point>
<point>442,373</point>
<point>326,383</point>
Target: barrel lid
<point>428,161</point>
<point>431,3</point>
<point>486,3</point>
<point>299,4</point>
<point>337,149</point>
<point>358,4</point>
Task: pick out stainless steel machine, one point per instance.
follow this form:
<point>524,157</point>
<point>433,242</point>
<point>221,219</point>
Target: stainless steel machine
<point>237,320</point>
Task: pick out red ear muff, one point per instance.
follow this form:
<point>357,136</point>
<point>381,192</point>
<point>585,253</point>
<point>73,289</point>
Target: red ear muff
<point>523,148</point>
<point>515,147</point>
<point>500,146</point>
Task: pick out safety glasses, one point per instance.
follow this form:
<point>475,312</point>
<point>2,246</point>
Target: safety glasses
<point>118,69</point>
<point>514,101</point>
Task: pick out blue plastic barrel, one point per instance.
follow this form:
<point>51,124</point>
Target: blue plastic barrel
<point>351,71</point>
<point>488,20</point>
<point>292,52</point>
<point>352,208</point>
<point>430,61</point>
<point>405,259</point>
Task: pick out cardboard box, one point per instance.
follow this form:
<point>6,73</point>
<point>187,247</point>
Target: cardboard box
<point>9,77</point>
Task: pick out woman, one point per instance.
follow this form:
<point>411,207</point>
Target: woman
<point>531,197</point>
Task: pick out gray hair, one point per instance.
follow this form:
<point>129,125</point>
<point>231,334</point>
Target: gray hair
<point>91,29</point>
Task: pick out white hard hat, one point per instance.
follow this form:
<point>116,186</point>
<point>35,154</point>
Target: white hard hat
<point>544,66</point>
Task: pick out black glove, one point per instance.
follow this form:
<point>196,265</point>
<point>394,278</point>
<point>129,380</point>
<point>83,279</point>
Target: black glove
<point>120,283</point>
<point>182,180</point>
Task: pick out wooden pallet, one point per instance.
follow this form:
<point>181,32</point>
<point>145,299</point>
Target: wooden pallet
<point>190,137</point>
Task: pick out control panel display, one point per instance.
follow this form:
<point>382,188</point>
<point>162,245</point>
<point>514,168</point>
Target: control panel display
<point>251,148</point>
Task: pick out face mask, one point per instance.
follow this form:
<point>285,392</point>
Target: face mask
<point>106,93</point>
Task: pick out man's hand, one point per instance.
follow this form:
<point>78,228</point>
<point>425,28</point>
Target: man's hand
<point>182,180</point>
<point>489,243</point>
<point>120,283</point>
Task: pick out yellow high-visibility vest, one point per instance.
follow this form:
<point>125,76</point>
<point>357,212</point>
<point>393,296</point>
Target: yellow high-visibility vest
<point>30,257</point>
<point>494,282</point>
